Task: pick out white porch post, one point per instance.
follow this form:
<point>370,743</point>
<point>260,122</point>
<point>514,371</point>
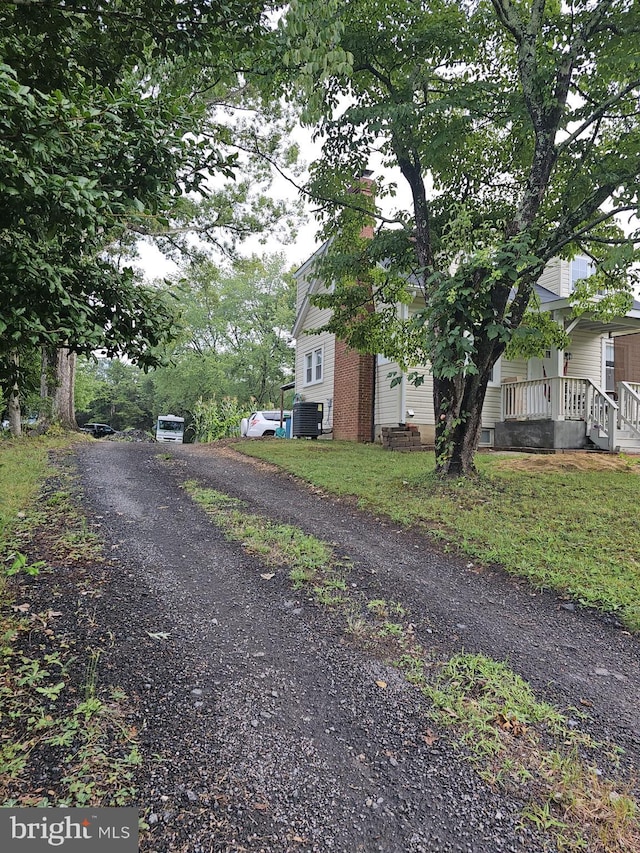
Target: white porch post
<point>557,362</point>
<point>557,409</point>
<point>620,391</point>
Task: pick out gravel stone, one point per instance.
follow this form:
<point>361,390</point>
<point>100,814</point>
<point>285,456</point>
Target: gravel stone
<point>340,765</point>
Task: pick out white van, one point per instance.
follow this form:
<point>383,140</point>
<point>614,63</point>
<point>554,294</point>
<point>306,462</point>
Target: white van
<point>170,428</point>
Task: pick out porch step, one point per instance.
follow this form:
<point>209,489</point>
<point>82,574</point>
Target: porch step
<point>626,441</point>
<point>599,438</point>
<point>404,438</point>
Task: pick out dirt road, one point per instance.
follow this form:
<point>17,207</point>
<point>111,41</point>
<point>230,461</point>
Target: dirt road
<point>269,729</point>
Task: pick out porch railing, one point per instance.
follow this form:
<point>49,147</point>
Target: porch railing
<point>629,403</point>
<point>561,398</point>
<point>568,398</point>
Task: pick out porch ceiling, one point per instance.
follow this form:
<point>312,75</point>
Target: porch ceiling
<point>619,326</point>
<point>561,308</point>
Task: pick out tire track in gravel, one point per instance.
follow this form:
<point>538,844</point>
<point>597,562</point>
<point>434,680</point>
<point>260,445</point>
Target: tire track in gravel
<point>274,732</point>
<point>569,654</point>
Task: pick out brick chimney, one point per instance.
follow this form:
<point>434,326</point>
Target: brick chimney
<point>353,378</point>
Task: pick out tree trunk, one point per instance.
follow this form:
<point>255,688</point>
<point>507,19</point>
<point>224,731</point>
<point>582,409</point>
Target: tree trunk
<point>57,381</point>
<point>457,404</point>
<point>15,415</point>
<point>64,408</point>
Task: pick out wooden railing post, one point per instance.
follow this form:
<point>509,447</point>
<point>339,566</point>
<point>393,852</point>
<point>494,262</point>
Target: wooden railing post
<point>620,390</point>
<point>557,402</point>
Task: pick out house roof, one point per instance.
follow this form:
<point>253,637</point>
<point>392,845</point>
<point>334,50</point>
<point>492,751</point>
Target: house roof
<point>543,294</point>
<point>313,286</point>
<point>549,301</point>
<point>630,322</point>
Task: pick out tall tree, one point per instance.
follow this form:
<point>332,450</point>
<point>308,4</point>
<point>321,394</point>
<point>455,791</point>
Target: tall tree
<point>106,126</point>
<point>234,338</point>
<point>515,125</point>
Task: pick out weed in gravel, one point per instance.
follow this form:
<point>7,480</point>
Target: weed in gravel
<point>391,629</point>
<point>527,745</point>
<point>564,524</point>
<point>382,608</point>
<point>310,561</point>
<point>327,597</point>
<point>80,544</point>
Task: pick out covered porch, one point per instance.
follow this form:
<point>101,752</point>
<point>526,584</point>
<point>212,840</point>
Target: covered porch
<point>566,412</point>
<point>575,398</point>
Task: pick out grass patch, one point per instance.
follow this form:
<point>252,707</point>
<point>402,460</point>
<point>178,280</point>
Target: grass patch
<point>310,561</point>
<point>80,736</point>
<point>562,526</point>
<point>23,466</point>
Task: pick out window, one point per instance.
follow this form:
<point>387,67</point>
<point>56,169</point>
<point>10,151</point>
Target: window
<point>494,378</point>
<point>609,376</point>
<point>486,437</point>
<point>581,267</point>
<point>313,366</point>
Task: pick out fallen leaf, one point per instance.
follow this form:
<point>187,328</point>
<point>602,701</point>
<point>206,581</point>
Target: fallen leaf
<point>261,807</point>
<point>381,684</point>
<point>429,738</point>
<point>268,576</point>
<point>586,703</point>
<point>299,839</point>
<point>21,608</point>
<point>510,724</point>
<point>52,613</point>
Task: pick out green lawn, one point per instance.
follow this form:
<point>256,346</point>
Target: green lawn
<point>567,522</point>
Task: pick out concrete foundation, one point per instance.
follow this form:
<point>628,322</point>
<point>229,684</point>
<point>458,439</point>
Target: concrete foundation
<point>555,435</point>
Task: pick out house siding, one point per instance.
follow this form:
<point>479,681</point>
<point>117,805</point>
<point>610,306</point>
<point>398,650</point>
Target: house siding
<point>420,399</point>
<point>318,392</point>
<point>551,277</point>
<point>506,371</point>
<point>387,411</point>
<point>586,356</point>
<point>565,278</point>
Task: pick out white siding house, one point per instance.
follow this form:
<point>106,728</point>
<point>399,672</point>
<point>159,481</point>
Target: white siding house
<point>565,399</point>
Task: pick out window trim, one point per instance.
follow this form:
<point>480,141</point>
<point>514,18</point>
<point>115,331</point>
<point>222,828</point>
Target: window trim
<point>608,342</point>
<point>310,363</point>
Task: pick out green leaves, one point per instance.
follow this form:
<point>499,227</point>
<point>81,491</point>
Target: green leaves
<point>106,123</point>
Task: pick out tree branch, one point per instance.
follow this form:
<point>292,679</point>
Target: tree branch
<point>317,197</point>
<point>599,113</point>
<point>508,17</point>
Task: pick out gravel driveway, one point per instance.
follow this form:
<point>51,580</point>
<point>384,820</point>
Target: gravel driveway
<point>268,727</point>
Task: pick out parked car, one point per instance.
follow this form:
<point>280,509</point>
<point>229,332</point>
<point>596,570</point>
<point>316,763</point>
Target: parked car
<point>262,423</point>
<point>98,430</point>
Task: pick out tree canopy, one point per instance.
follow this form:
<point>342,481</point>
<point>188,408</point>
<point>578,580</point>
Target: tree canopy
<point>234,336</point>
<point>515,125</point>
<point>113,126</point>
